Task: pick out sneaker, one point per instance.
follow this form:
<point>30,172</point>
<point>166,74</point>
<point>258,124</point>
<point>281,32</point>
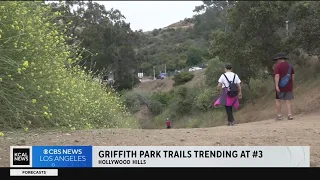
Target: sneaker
<point>232,123</point>
<point>290,117</point>
<point>279,117</point>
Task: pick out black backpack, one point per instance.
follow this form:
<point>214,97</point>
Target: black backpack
<point>233,88</point>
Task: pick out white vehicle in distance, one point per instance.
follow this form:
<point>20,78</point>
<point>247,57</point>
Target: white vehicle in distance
<point>194,69</point>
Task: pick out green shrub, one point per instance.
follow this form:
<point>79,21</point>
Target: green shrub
<point>204,99</point>
<point>36,90</point>
<point>213,72</point>
<point>160,119</point>
<point>163,97</point>
<point>258,88</point>
<point>194,123</point>
<point>183,101</point>
<point>182,78</point>
<point>155,107</point>
<point>132,101</point>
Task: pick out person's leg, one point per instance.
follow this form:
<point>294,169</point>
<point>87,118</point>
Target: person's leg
<point>230,115</point>
<point>288,99</point>
<point>278,105</point>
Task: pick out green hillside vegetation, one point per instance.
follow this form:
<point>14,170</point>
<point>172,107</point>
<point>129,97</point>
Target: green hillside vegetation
<point>247,34</point>
<point>174,47</point>
<point>41,85</point>
<point>50,54</point>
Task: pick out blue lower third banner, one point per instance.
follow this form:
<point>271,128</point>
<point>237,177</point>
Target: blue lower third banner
<point>159,156</point>
<point>62,156</point>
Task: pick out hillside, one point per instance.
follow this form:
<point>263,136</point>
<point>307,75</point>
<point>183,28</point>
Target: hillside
<point>304,103</point>
<point>166,84</point>
<point>183,24</point>
<point>175,46</point>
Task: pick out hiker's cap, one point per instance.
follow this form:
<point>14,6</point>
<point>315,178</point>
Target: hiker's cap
<point>228,66</point>
<point>280,56</point>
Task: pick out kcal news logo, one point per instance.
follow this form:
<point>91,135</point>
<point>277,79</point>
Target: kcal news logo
<point>20,156</point>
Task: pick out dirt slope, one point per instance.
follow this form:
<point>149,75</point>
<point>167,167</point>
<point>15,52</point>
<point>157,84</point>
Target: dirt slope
<point>167,84</point>
<point>158,85</point>
<point>304,130</point>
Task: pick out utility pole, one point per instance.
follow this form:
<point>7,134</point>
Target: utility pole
<point>287,28</point>
<point>165,68</point>
<point>154,73</point>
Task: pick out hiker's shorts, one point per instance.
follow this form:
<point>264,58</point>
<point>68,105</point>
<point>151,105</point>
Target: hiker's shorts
<point>284,95</point>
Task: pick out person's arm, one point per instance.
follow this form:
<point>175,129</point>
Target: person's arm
<point>219,86</point>
<point>276,78</point>
<point>292,74</point>
<point>239,87</point>
<point>292,77</point>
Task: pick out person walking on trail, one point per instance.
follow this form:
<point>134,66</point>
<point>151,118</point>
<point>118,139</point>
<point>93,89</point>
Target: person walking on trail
<point>284,77</point>
<point>168,123</point>
<point>229,82</point>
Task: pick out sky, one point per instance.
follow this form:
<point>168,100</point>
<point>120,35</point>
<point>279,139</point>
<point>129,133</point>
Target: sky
<point>148,15</point>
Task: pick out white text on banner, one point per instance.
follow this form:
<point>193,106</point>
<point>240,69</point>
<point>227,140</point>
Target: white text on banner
<point>201,156</point>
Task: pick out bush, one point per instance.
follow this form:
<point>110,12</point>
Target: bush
<point>159,120</point>
<point>155,107</point>
<point>182,78</point>
<point>36,90</point>
<point>213,72</point>
<point>204,99</point>
<point>194,123</point>
<point>133,101</point>
<point>183,101</point>
<point>163,97</point>
<point>258,88</point>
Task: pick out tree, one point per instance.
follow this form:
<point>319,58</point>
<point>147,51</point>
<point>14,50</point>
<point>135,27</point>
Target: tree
<point>108,39</point>
<point>214,17</point>
<point>253,39</point>
<point>194,56</point>
<point>304,20</point>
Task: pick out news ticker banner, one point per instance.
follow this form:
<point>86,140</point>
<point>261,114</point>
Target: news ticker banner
<point>159,156</point>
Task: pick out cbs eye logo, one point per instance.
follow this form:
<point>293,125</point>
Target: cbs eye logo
<point>45,151</point>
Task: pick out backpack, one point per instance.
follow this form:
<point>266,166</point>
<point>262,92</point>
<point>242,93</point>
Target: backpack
<point>285,79</point>
<point>233,88</point>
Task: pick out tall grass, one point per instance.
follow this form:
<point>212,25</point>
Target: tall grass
<point>36,88</point>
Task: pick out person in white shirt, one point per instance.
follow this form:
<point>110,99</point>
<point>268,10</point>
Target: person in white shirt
<point>229,99</point>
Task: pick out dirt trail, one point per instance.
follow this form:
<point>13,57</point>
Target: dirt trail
<point>304,130</point>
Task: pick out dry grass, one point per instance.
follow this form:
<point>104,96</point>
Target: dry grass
<point>145,117</point>
<point>262,109</point>
<point>307,100</point>
<point>198,80</point>
<point>166,84</point>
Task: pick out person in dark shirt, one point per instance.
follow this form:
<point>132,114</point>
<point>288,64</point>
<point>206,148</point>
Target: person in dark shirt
<point>283,93</point>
